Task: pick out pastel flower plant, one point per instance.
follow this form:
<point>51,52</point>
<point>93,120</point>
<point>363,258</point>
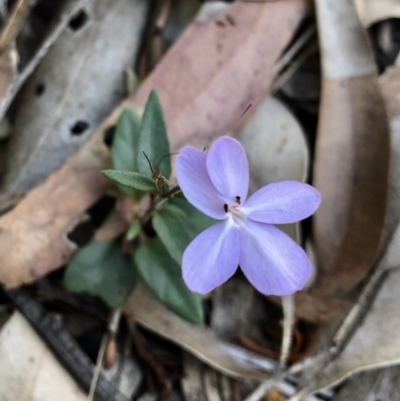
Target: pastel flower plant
<point>217,184</point>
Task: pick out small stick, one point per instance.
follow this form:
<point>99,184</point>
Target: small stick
<point>288,323</point>
<point>97,369</point>
<point>111,349</point>
<point>280,81</point>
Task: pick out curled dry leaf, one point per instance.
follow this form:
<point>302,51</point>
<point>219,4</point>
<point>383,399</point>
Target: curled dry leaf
<point>374,344</point>
<point>28,369</point>
<point>352,153</point>
<point>372,11</point>
<point>204,82</point>
<point>390,85</point>
<point>200,341</point>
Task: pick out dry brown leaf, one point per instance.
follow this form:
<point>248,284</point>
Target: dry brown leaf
<point>390,84</point>
<point>28,369</point>
<point>204,82</point>
<point>352,153</point>
<point>218,67</point>
<point>199,340</point>
<point>374,342</point>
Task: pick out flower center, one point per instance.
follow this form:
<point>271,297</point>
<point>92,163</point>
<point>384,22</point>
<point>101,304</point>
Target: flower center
<point>236,214</point>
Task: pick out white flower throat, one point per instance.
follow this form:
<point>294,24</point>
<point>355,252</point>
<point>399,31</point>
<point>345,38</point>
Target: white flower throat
<point>235,212</point>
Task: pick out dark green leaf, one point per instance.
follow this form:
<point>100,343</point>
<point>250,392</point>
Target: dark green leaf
<point>133,231</point>
<point>101,269</point>
<point>125,148</point>
<point>195,221</point>
<point>153,139</point>
<point>164,278</point>
<point>170,225</point>
<point>131,179</point>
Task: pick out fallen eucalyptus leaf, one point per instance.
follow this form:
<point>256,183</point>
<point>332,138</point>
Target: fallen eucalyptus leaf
<point>373,344</point>
<point>390,84</point>
<point>195,111</point>
<point>200,341</point>
<point>352,154</point>
<point>28,369</point>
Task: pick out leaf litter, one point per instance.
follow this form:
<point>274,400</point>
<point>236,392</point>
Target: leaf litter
<point>343,322</point>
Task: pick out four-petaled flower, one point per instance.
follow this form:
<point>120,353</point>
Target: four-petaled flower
<point>217,183</point>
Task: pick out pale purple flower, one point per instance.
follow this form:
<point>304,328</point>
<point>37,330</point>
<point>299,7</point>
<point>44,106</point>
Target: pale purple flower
<point>217,183</point>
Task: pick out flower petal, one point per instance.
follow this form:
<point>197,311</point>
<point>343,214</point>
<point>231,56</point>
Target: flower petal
<point>196,185</point>
<point>272,262</point>
<point>282,202</point>
<point>228,168</point>
<point>211,258</point>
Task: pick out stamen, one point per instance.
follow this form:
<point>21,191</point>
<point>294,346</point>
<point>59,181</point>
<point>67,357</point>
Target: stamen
<point>226,208</point>
<point>238,200</point>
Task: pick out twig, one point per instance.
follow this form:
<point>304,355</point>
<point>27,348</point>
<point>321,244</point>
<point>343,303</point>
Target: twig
<point>347,328</point>
<point>64,346</point>
<point>99,364</point>
<point>293,50</point>
<point>158,201</point>
<point>288,322</point>
<point>280,81</point>
<point>15,23</point>
<point>111,349</point>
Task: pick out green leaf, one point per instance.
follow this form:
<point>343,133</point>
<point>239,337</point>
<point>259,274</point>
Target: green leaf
<point>125,148</point>
<point>131,179</point>
<point>153,139</point>
<point>101,269</point>
<point>164,278</point>
<point>133,231</point>
<point>195,221</point>
<point>169,225</point>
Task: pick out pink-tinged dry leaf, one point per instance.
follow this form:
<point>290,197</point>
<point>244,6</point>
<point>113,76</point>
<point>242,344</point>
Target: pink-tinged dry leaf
<point>220,66</point>
<point>205,81</point>
<point>352,154</point>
